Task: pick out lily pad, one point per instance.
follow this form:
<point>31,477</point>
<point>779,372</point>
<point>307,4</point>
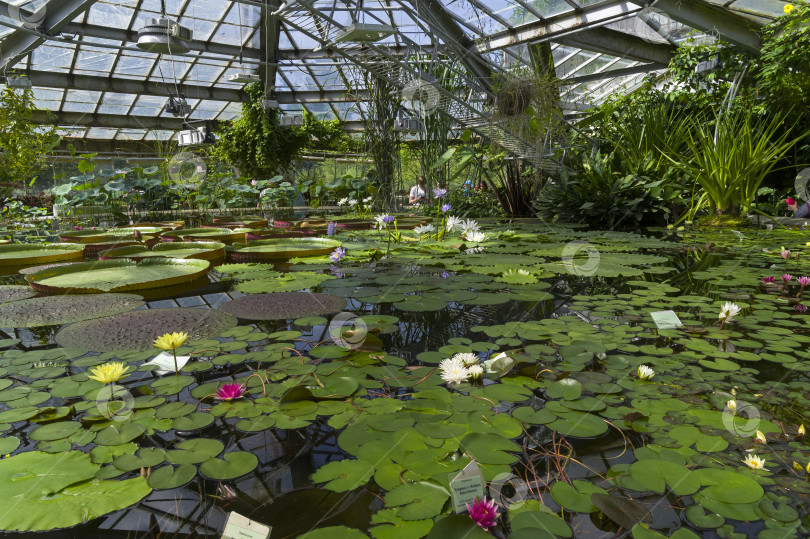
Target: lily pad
<point>281,249</point>
<point>282,305</point>
<point>344,475</point>
<point>137,330</point>
<point>230,466</point>
<point>58,310</point>
<point>21,254</point>
<point>117,275</point>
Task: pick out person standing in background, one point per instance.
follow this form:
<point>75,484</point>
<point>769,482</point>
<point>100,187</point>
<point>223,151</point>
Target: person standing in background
<point>418,193</point>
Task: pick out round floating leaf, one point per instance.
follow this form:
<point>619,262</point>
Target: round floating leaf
<point>623,511</point>
<point>14,292</point>
<point>283,305</point>
<point>541,522</point>
<point>147,457</point>
<point>137,330</point>
<point>55,431</point>
<point>192,422</point>
<point>334,532</point>
<point>576,496</point>
<point>40,474</point>
<point>567,388</point>
<point>9,444</point>
<point>168,477</point>
<point>195,451</point>
<point>58,310</point>
<point>578,424</point>
<point>119,434</point>
<point>457,526</point>
<point>117,275</point>
<point>230,466</point>
<point>418,500</point>
<point>281,249</point>
<point>73,505</point>
<point>344,475</point>
<point>488,448</point>
<point>21,254</point>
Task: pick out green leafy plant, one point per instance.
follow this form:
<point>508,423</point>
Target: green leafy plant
<point>730,159</point>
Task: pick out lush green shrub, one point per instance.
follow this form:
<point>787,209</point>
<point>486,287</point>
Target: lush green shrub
<point>605,194</point>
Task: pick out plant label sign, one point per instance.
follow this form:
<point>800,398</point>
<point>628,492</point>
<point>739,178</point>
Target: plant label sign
<point>666,320</point>
<point>467,486</point>
<point>241,527</point>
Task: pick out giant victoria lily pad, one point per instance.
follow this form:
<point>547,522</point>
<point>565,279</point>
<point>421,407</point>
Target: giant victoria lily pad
<point>137,330</point>
<point>26,253</point>
<point>224,235</point>
<point>108,236</point>
<point>118,275</point>
<point>282,249</point>
<point>53,310</point>
<point>14,292</point>
<point>283,305</point>
<point>202,250</point>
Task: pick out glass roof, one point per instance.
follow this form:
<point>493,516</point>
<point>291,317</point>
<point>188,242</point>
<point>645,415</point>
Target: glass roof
<point>88,70</point>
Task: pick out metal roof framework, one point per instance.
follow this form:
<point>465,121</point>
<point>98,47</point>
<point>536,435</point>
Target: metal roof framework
<point>82,60</point>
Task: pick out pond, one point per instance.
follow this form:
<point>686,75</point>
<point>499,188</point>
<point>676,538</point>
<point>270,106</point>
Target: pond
<point>586,415</point>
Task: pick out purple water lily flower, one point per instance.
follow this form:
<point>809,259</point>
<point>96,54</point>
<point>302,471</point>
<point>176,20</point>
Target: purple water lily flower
<point>440,193</point>
<point>331,228</point>
<point>337,255</point>
<point>445,275</point>
<point>801,308</point>
<point>446,207</point>
<point>388,218</point>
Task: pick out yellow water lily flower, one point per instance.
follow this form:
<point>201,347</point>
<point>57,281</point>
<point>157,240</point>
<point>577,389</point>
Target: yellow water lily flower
<point>808,467</point>
<point>754,462</point>
<point>789,8</point>
<point>732,405</point>
<point>171,341</point>
<point>109,372</point>
<point>801,430</point>
<point>798,467</point>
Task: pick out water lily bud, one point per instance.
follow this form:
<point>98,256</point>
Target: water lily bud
<point>734,391</point>
<point>760,437</point>
<point>476,371</point>
<point>801,430</point>
<point>808,467</point>
<point>798,467</point>
<point>732,405</point>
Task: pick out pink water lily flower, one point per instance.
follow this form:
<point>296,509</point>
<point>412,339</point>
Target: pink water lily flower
<point>231,391</point>
<point>787,277</point>
<point>483,512</point>
<point>803,281</point>
<point>785,253</point>
<point>801,308</point>
<point>768,280</point>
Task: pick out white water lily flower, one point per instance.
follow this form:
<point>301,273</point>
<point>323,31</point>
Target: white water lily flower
<point>424,229</point>
<point>470,225</point>
<point>475,237</point>
<point>755,462</point>
<point>467,358</point>
<point>352,202</point>
<point>453,371</point>
<point>760,437</point>
<point>477,371</point>
<point>342,201</point>
<point>452,223</point>
<point>732,405</point>
<point>729,311</point>
<point>367,200</point>
<point>381,224</point>
<point>522,272</point>
<point>644,372</point>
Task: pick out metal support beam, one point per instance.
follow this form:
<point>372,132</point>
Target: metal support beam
<point>731,27</point>
<point>128,86</point>
<point>555,28</point>
<point>613,73</point>
<point>20,43</point>
<point>119,121</point>
<point>269,36</point>
<point>436,16</point>
<point>617,43</point>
